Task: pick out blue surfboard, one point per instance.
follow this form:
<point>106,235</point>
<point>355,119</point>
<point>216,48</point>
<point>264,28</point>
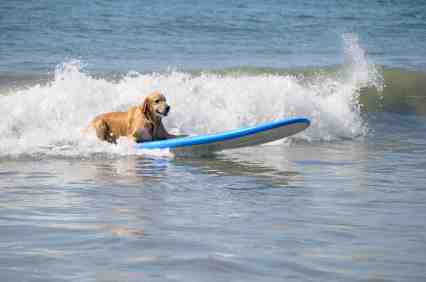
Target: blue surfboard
<point>243,137</point>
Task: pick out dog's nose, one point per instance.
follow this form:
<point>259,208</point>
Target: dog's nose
<point>167,109</point>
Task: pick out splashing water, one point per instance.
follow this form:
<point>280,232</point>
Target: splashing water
<point>48,119</point>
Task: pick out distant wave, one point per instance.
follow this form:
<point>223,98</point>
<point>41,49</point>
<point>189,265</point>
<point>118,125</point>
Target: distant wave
<point>404,91</point>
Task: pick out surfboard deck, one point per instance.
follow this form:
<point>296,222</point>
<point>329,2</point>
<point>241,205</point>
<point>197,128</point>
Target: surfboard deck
<point>232,139</point>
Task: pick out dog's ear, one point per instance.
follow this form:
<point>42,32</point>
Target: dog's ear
<point>146,108</point>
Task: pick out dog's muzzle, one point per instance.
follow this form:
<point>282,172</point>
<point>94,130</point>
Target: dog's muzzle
<point>165,112</point>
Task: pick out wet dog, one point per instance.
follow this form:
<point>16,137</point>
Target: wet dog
<point>140,123</point>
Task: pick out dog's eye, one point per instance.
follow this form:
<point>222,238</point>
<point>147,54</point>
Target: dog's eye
<point>157,101</point>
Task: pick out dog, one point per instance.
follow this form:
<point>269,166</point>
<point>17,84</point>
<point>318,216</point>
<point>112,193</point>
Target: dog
<point>140,123</point>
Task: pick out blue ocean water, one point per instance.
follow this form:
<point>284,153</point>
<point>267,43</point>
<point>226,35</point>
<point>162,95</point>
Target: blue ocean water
<point>118,36</point>
<point>342,201</point>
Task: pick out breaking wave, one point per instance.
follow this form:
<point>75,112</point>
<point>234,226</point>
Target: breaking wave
<point>47,118</point>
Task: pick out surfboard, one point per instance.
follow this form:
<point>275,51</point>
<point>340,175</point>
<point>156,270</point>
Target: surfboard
<point>232,139</point>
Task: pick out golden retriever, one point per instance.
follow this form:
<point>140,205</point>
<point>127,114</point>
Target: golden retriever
<point>140,123</point>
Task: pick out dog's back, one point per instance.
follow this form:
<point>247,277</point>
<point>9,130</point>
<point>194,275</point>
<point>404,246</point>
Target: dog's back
<point>110,126</point>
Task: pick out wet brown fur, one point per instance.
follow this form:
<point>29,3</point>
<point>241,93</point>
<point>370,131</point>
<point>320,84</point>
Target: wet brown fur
<point>140,123</point>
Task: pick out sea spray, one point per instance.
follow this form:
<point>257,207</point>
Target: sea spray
<point>48,119</point>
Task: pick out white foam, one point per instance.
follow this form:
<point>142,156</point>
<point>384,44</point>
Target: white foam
<point>48,119</point>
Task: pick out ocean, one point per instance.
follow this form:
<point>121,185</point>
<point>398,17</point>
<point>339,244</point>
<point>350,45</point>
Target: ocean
<point>344,200</point>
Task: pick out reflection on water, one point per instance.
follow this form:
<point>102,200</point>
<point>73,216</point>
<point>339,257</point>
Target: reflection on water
<point>347,211</point>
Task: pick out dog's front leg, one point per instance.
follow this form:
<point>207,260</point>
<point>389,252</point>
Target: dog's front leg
<point>141,135</point>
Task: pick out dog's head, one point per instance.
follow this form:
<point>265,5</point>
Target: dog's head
<point>155,106</point>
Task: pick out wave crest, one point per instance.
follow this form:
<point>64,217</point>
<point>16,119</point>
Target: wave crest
<point>47,119</point>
